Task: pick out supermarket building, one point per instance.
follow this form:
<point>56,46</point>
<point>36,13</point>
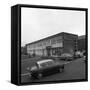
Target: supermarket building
<point>54,45</point>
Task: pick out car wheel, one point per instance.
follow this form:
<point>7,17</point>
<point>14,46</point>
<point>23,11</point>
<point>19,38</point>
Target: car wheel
<point>29,75</point>
<point>39,75</point>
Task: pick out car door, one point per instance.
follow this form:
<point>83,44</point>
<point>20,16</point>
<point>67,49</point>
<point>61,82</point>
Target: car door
<point>49,70</point>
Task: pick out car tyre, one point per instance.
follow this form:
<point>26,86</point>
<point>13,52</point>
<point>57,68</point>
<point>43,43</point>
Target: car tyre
<point>39,76</point>
<point>30,76</point>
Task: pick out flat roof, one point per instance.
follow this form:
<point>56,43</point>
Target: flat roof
<point>61,33</point>
<point>82,37</point>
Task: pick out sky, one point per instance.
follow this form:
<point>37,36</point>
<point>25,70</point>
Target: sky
<point>38,23</point>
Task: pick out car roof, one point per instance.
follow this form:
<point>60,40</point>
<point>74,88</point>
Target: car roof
<point>44,61</point>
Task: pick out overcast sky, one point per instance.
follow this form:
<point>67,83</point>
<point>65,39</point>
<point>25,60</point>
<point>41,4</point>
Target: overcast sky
<point>40,23</point>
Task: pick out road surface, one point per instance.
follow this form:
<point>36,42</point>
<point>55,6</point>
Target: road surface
<point>73,70</point>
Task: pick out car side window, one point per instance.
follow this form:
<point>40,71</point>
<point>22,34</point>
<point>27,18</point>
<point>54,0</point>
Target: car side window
<point>50,63</point>
<point>46,64</point>
<point>43,65</point>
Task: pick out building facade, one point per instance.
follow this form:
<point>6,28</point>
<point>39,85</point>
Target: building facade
<point>82,43</point>
<point>54,45</point>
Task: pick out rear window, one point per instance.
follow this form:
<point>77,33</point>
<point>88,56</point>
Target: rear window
<point>46,64</point>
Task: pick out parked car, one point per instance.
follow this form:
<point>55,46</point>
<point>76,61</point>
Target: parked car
<point>78,54</point>
<point>66,56</point>
<point>45,67</point>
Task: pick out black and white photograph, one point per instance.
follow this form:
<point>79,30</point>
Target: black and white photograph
<point>44,45</point>
<point>53,45</point>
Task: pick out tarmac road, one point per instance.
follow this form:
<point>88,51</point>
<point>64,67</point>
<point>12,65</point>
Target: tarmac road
<point>73,70</point>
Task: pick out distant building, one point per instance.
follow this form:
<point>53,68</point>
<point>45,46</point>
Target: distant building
<point>24,50</point>
<point>81,43</point>
<point>54,45</point>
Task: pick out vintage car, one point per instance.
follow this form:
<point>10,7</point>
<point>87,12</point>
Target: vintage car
<point>66,57</point>
<point>45,67</point>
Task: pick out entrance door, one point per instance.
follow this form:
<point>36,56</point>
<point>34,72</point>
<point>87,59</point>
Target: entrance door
<point>48,48</point>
